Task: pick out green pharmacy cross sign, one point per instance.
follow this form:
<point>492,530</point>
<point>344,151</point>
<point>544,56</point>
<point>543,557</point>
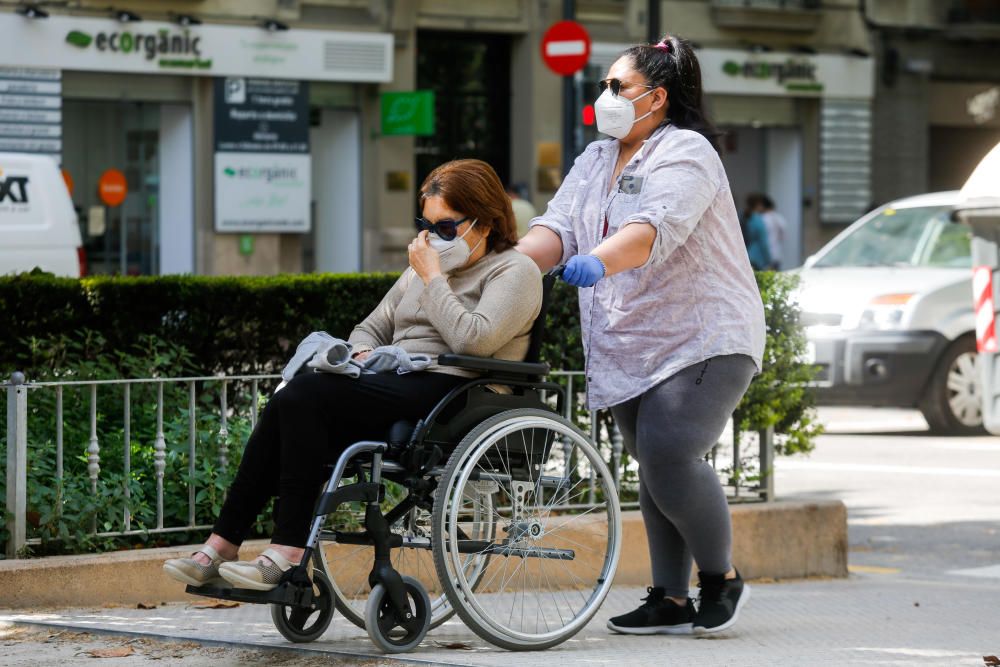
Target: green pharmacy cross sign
<point>409,113</point>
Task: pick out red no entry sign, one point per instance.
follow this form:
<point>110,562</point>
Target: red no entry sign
<point>566,47</point>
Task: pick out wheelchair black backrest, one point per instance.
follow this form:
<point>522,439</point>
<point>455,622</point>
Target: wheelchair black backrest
<point>538,329</point>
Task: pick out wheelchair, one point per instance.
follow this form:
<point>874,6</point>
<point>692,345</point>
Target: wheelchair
<point>510,519</point>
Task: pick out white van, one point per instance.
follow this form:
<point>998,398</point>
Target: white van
<point>38,226</point>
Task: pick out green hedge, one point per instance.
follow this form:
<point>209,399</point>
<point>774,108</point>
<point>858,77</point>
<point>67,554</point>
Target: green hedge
<point>239,325</point>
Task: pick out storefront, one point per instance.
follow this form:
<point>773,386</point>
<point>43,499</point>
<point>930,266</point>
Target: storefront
<point>796,127</point>
<point>139,101</point>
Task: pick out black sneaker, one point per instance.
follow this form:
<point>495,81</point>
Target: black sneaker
<point>658,615</point>
<point>719,602</point>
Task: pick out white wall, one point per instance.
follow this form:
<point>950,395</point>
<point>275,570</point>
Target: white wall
<point>176,197</point>
<point>336,173</point>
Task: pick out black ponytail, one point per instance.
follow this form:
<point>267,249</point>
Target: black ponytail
<point>672,65</point>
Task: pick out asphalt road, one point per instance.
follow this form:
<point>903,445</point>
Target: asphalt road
<point>919,506</point>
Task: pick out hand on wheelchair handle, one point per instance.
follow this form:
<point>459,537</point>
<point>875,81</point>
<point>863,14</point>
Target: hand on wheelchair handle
<point>583,270</point>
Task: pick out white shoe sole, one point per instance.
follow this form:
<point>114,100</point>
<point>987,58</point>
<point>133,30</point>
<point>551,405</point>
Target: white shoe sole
<point>177,574</point>
<point>683,629</point>
<point>698,630</point>
<point>239,581</point>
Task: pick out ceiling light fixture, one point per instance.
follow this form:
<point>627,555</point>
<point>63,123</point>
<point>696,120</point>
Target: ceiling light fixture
<point>32,12</point>
<point>185,20</point>
<point>272,25</point>
<point>125,16</point>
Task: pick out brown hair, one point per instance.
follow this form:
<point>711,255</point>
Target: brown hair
<point>472,188</point>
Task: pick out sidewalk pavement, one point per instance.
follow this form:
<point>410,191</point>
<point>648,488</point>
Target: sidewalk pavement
<point>867,619</point>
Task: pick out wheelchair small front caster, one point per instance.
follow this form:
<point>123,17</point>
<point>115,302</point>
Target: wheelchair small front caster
<point>390,633</point>
<point>302,624</point>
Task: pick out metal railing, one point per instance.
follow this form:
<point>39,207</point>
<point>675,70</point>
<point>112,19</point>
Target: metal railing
<point>745,478</point>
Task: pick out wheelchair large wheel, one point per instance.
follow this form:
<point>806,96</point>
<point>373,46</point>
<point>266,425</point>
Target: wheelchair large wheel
<point>349,565</point>
<point>305,625</point>
<point>554,556</point>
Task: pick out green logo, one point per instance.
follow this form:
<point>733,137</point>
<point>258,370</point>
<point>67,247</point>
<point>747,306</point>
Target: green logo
<point>77,38</point>
<point>731,68</point>
<point>408,113</point>
<point>229,171</point>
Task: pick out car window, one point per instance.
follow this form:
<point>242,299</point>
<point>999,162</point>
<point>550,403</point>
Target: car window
<point>921,236</point>
<point>951,247</point>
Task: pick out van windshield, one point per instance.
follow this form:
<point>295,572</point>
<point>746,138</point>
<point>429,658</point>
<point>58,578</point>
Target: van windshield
<point>920,236</point>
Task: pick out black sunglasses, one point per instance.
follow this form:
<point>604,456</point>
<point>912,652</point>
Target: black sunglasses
<point>616,85</point>
<point>446,229</point>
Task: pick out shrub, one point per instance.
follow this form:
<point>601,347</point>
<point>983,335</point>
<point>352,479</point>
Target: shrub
<point>102,328</point>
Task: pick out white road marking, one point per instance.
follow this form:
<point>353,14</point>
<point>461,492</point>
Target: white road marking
<point>988,572</point>
<point>872,467</point>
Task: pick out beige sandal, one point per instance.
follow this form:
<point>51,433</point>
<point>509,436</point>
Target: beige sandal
<point>191,572</point>
<point>257,575</point>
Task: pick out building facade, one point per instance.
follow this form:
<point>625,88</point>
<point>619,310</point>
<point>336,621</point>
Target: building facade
<point>938,93</point>
<point>272,136</point>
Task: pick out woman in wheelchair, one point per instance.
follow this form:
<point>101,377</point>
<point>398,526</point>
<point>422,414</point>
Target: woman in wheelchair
<point>466,291</point>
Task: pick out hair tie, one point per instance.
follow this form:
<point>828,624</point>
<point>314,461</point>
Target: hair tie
<point>663,45</point>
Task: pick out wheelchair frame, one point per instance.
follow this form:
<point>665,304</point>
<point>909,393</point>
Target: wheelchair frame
<point>420,449</point>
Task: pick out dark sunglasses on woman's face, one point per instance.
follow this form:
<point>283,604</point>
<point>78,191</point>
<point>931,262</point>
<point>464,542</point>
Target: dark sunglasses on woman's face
<point>616,85</point>
<point>446,229</point>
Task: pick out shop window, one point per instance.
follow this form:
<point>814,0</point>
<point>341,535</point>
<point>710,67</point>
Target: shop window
<point>103,135</point>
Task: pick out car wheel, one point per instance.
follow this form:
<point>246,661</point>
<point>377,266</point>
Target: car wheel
<point>952,403</point>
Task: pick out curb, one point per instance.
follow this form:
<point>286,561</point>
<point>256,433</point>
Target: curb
<point>777,540</point>
<point>291,649</point>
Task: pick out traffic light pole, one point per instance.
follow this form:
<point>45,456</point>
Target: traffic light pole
<point>569,105</point>
<point>653,24</point>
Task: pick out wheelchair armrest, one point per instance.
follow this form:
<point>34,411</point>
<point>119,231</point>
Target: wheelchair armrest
<point>492,366</point>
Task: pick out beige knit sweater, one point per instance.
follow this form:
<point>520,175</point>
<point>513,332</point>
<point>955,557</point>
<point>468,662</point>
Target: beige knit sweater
<point>485,310</point>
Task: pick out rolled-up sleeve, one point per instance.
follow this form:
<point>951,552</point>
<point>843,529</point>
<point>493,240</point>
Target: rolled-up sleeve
<point>678,190</point>
<point>557,216</point>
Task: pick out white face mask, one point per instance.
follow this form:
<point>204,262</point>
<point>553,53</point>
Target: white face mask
<point>453,254</point>
<point>616,115</point>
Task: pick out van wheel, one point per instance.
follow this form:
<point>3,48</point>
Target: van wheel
<point>952,403</point>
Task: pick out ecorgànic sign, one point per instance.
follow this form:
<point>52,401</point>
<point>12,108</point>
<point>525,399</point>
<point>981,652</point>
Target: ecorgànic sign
<point>735,72</point>
<point>169,48</point>
<point>262,166</point>
<point>157,47</point>
<point>794,75</point>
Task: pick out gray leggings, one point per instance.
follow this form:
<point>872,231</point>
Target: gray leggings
<point>668,430</point>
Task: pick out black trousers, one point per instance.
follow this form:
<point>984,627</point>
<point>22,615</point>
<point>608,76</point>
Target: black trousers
<point>306,426</point>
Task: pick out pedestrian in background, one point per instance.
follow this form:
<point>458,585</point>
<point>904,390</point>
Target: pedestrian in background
<point>776,226</point>
<point>673,323</point>
<point>755,233</point>
<point>524,210</point>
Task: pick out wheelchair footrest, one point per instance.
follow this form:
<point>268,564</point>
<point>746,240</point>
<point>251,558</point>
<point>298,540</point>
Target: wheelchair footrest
<point>284,594</point>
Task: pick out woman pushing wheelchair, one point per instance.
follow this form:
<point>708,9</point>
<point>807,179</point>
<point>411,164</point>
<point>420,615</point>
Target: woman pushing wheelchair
<point>466,291</point>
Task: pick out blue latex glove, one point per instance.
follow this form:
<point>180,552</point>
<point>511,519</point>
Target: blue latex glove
<point>583,271</point>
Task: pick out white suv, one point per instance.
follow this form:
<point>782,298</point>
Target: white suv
<point>888,314</point>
